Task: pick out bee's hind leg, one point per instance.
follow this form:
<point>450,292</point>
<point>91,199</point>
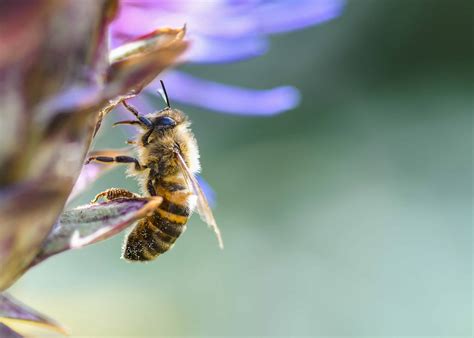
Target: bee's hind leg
<point>113,194</point>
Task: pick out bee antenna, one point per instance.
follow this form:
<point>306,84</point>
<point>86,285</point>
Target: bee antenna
<point>164,94</point>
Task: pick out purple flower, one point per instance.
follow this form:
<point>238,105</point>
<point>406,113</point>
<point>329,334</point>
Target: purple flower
<point>223,31</point>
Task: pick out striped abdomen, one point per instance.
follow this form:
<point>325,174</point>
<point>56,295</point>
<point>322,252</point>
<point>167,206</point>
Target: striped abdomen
<point>156,234</point>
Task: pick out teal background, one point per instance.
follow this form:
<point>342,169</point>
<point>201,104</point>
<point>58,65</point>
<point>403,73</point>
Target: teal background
<point>349,216</point>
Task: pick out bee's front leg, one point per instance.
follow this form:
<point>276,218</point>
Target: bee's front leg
<point>141,119</point>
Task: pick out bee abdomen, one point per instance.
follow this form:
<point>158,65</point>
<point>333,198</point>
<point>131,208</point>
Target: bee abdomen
<point>173,208</point>
<point>157,233</point>
<point>151,237</point>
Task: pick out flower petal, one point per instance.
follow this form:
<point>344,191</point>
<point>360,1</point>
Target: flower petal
<point>285,16</point>
<point>207,49</point>
<point>203,17</point>
<point>92,223</point>
<point>228,99</point>
<point>12,311</point>
<point>224,19</point>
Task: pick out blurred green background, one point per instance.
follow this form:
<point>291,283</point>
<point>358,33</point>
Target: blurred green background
<point>349,216</point>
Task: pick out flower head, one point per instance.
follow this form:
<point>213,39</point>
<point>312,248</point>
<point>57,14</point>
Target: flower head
<point>50,114</point>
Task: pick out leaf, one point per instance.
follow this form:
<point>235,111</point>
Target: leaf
<point>92,223</point>
<point>6,332</point>
<point>12,312</point>
<point>137,63</point>
<point>21,205</point>
<point>47,116</point>
<point>50,113</point>
<point>159,38</point>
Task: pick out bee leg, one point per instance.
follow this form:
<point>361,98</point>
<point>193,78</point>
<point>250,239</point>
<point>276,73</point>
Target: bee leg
<point>146,136</point>
<point>131,109</point>
<point>150,187</point>
<point>113,194</point>
<point>117,159</point>
<point>143,120</point>
<point>138,123</point>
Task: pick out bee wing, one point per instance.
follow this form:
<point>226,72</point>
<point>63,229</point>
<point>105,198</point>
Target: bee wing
<point>202,205</point>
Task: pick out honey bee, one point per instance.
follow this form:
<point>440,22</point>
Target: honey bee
<point>167,160</point>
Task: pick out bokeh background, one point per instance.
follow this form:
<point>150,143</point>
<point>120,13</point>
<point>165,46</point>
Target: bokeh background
<point>349,216</point>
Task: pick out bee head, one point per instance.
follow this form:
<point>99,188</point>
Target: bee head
<point>168,119</point>
<point>166,124</point>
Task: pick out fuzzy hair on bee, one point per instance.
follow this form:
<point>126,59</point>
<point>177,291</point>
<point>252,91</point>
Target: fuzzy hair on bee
<point>161,143</point>
<point>166,163</point>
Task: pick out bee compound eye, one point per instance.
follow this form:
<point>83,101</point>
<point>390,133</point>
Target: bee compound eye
<point>166,121</point>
